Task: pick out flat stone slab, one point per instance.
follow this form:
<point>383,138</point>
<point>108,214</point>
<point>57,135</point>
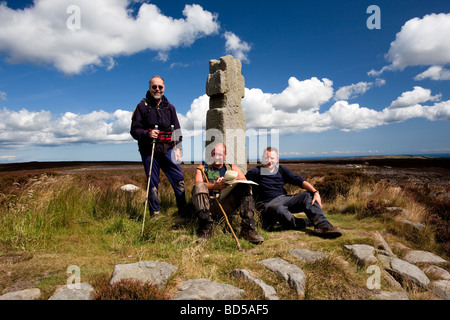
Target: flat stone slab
<point>154,272</point>
<point>204,289</point>
<point>441,288</point>
<point>420,256</point>
<point>27,294</point>
<point>308,256</point>
<point>390,295</point>
<point>84,292</point>
<point>437,272</point>
<point>291,273</point>
<point>268,291</point>
<point>404,270</point>
<point>362,252</point>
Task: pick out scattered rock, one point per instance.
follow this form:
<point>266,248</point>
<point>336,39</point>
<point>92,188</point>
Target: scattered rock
<point>268,291</point>
<point>204,289</point>
<point>84,292</point>
<point>390,295</point>
<point>155,272</point>
<point>415,225</point>
<point>398,211</point>
<point>404,270</point>
<point>292,274</point>
<point>419,256</point>
<point>441,288</point>
<point>129,188</point>
<point>384,244</point>
<point>363,253</point>
<point>437,272</point>
<point>308,256</point>
<point>27,294</point>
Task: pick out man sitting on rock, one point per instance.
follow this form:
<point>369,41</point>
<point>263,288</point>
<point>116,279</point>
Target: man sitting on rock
<point>239,199</point>
<point>278,205</point>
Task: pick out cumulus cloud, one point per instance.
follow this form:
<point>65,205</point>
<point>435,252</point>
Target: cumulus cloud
<point>24,128</point>
<point>42,128</point>
<point>354,90</point>
<point>45,33</point>
<point>411,98</point>
<point>303,95</point>
<point>434,73</point>
<point>236,47</point>
<point>420,42</point>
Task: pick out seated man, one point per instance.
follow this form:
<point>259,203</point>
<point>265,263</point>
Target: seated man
<point>278,205</point>
<point>240,198</point>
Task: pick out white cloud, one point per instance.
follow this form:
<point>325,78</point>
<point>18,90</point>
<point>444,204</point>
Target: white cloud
<point>420,42</point>
<point>434,73</point>
<point>236,47</point>
<point>411,98</point>
<point>2,95</point>
<point>354,90</point>
<point>39,34</point>
<point>303,95</point>
<point>23,128</point>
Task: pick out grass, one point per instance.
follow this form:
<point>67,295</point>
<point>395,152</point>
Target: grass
<point>51,220</point>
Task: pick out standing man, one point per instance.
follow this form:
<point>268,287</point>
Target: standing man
<point>278,205</point>
<point>156,110</point>
<point>239,199</point>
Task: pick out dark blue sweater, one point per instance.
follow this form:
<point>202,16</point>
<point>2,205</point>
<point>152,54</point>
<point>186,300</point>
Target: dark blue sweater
<point>272,186</point>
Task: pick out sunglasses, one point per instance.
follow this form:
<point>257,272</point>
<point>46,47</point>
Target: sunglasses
<point>157,87</point>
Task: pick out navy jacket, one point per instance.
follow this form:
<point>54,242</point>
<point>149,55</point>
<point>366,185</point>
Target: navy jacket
<point>146,115</point>
<point>271,186</point>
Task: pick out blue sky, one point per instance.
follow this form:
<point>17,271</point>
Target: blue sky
<point>314,71</point>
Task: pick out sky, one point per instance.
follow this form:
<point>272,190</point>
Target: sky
<point>322,78</point>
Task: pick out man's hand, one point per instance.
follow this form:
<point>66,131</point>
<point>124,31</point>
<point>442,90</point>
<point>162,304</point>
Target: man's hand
<point>153,134</point>
<point>178,156</point>
<point>316,198</point>
<point>220,184</point>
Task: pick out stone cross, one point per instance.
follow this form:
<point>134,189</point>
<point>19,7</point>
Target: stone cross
<point>225,119</point>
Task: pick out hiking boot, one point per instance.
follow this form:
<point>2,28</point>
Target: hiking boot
<point>251,236</point>
<point>205,232</point>
<point>328,231</point>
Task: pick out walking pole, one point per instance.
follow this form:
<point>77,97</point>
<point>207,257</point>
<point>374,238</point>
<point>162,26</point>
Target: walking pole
<point>148,182</point>
<point>224,214</point>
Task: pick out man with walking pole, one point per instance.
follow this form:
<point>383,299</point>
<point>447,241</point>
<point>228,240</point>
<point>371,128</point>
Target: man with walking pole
<point>153,125</point>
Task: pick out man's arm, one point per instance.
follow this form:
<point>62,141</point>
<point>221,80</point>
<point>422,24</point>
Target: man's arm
<point>219,185</point>
<point>239,171</point>
<point>316,196</point>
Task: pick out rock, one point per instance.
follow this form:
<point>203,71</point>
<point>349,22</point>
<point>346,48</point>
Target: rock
<point>225,119</point>
<point>441,288</point>
<point>27,294</point>
<point>415,225</point>
<point>268,291</point>
<point>129,187</point>
<point>84,292</point>
<point>390,295</point>
<point>397,210</point>
<point>382,242</point>
<point>308,256</point>
<point>292,274</point>
<point>363,253</point>
<point>437,272</point>
<point>204,289</point>
<point>404,270</point>
<point>155,272</point>
<point>419,256</point>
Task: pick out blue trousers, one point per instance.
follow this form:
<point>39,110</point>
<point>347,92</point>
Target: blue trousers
<point>280,210</point>
<point>173,173</point>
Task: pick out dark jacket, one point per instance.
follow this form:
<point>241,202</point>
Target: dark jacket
<point>271,186</point>
<point>146,115</point>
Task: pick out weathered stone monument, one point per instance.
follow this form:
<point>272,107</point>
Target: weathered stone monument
<point>225,119</point>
